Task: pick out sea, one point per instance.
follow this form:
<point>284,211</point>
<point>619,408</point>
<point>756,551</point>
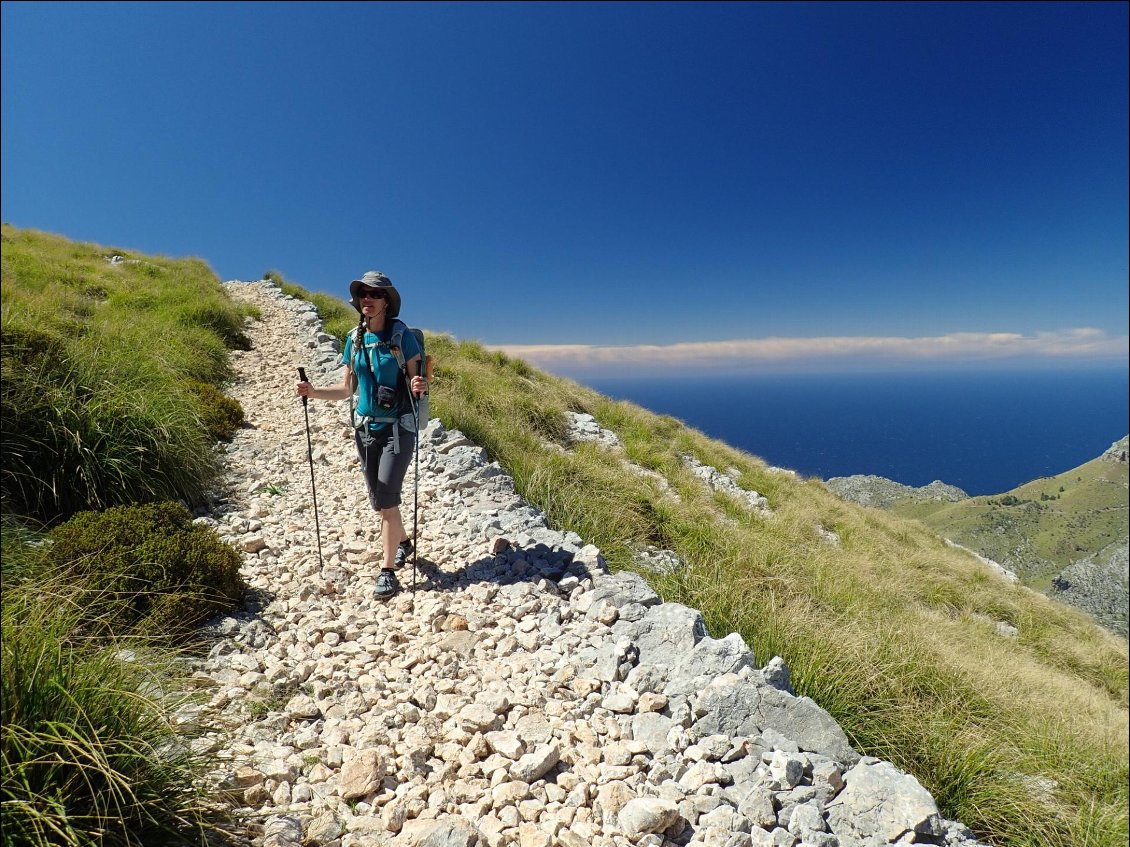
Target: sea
<point>985,432</point>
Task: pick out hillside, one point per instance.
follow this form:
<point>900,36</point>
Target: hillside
<point>1010,710</point>
<point>1064,535</point>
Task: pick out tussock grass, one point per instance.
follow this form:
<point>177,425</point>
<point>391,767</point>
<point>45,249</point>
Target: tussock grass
<point>88,756</point>
<point>97,356</point>
<point>894,633</point>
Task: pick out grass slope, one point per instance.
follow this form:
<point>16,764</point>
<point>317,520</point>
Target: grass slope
<point>112,375</point>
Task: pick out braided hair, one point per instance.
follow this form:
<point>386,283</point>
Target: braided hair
<point>358,348</point>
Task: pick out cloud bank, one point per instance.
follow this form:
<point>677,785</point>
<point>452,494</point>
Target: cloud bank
<point>1078,346</point>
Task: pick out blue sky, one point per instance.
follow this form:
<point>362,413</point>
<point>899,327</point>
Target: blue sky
<point>590,184</point>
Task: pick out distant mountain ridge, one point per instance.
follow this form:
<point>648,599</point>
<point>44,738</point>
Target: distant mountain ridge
<point>1064,535</point>
<point>880,492</point>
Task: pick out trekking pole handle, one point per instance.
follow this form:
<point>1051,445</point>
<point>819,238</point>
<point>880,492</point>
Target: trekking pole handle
<point>302,378</point>
<point>424,371</point>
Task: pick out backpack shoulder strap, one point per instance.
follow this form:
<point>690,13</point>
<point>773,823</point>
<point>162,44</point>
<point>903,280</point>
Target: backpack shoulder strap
<point>419,333</point>
<point>397,328</point>
<point>399,331</point>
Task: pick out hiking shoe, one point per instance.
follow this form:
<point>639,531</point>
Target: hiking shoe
<point>403,552</point>
<point>387,585</point>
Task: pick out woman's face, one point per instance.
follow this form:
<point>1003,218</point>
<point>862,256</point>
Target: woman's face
<point>373,302</point>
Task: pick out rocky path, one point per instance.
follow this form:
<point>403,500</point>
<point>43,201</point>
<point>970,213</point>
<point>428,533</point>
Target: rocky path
<point>520,695</point>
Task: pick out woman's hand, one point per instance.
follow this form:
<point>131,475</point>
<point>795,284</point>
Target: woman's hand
<point>304,389</point>
<point>419,386</point>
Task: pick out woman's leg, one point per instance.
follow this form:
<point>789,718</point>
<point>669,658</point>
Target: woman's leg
<point>391,470</point>
<point>392,533</point>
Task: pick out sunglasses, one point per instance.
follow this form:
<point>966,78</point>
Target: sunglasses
<point>370,292</point>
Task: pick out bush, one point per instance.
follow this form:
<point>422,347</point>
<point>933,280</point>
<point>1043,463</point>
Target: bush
<point>150,570</point>
<point>221,318</point>
<point>222,415</point>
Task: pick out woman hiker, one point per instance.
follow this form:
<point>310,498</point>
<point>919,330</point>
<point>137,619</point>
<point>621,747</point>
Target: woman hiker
<point>382,416</point>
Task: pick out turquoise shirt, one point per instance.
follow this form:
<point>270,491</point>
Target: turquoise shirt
<point>377,355</point>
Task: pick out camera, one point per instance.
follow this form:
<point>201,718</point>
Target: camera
<point>386,397</point>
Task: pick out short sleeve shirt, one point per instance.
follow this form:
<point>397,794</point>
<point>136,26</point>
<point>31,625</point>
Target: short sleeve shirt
<point>377,366</point>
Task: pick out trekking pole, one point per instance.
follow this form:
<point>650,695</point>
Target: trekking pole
<point>415,503</point>
<point>416,498</point>
<point>415,403</point>
<point>426,363</point>
<point>310,455</point>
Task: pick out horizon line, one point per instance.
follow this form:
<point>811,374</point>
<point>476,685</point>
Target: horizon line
<point>1061,346</point>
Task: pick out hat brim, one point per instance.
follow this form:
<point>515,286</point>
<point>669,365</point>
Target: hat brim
<point>387,287</point>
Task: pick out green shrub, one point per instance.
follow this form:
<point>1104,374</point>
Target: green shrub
<point>150,569</point>
<point>222,415</point>
<point>222,319</point>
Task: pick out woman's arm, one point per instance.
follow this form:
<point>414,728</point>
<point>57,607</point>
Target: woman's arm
<point>335,392</point>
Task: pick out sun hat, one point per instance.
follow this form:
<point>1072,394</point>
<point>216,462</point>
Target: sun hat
<point>376,279</point>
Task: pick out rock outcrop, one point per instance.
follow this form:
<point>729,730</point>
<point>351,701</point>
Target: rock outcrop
<point>1099,585</point>
<point>514,693</point>
<point>880,492</point>
<point>1116,452</point>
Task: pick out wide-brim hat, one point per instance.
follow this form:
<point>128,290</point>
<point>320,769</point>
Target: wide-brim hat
<point>376,279</point>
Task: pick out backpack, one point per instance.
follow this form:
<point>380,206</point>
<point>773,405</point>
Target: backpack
<point>417,406</point>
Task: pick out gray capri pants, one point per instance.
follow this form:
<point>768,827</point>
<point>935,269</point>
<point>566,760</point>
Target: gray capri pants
<point>384,470</point>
